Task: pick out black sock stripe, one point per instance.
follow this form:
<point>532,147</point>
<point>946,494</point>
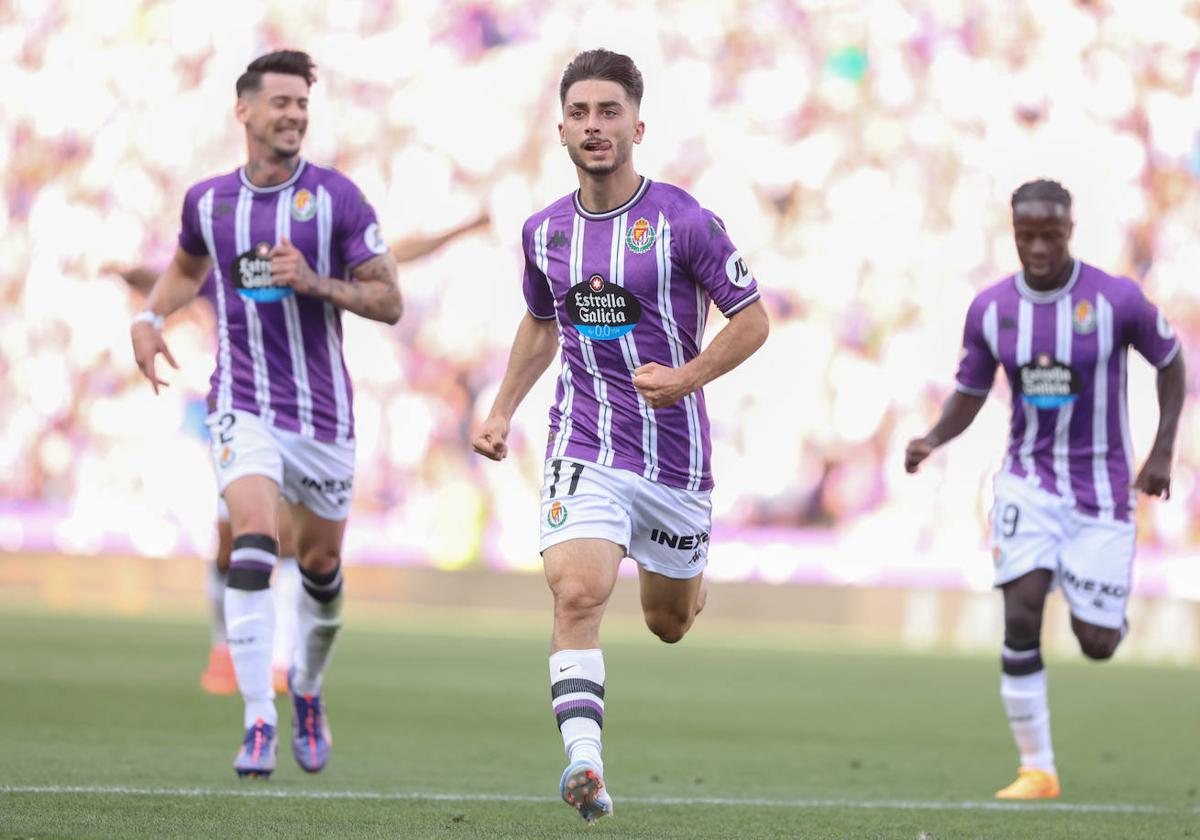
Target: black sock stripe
<point>325,594</point>
<point>262,542</point>
<point>571,686</point>
<point>581,712</point>
<point>1021,669</point>
<point>248,579</point>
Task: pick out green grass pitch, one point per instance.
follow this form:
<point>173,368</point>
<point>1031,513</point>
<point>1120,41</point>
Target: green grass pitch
<point>445,731</point>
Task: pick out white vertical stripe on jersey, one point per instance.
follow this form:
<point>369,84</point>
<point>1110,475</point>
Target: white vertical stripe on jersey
<point>586,349</point>
<point>616,270</point>
<point>565,424</point>
<point>254,334</point>
<point>1064,335</point>
<point>341,398</point>
<point>1024,356</point>
<point>291,320</point>
<point>225,377</point>
<point>1123,408</point>
<point>662,253</point>
<point>991,334</point>
<point>1104,349</point>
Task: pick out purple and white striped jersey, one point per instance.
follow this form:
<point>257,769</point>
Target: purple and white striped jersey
<point>629,287</point>
<point>1064,354</point>
<point>279,354</point>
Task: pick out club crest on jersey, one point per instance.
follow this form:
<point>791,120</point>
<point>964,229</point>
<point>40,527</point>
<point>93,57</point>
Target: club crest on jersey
<point>640,236</point>
<point>556,517</point>
<point>1048,383</point>
<point>602,311</point>
<point>227,456</point>
<point>304,206</point>
<point>1085,318</point>
<point>251,276</point>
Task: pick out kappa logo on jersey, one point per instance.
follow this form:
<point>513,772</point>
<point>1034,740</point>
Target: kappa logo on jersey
<point>1046,383</point>
<point>251,276</point>
<point>715,230</point>
<point>304,206</point>
<point>640,236</point>
<point>602,311</point>
<point>374,239</point>
<point>556,517</point>
<point>557,240</point>
<point>1085,317</point>
<point>737,271</point>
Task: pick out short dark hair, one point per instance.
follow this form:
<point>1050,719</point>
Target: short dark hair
<point>288,62</point>
<point>1042,190</point>
<point>606,65</point>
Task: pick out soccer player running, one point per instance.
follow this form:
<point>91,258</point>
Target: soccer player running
<point>1064,497</point>
<point>619,275</point>
<point>278,233</point>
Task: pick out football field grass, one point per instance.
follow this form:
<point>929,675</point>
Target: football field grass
<point>446,732</point>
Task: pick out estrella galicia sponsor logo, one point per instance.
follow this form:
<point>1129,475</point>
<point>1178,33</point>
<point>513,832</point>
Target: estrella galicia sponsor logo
<point>640,236</point>
<point>1047,383</point>
<point>737,271</point>
<point>1093,587</point>
<point>684,542</point>
<point>251,276</point>
<point>556,516</point>
<point>304,206</point>
<point>1084,317</point>
<point>601,310</point>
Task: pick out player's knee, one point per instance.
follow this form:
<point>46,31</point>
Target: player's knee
<point>671,627</point>
<point>321,560</point>
<point>575,598</point>
<point>1099,645</point>
<point>1022,630</point>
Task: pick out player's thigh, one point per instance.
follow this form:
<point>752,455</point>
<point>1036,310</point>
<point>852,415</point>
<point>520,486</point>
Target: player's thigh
<point>670,533</point>
<point>224,540</point>
<point>287,535</point>
<point>582,572</point>
<point>1027,529</point>
<point>1095,575</point>
<point>317,475</point>
<point>671,599</point>
<point>249,470</point>
<point>318,540</point>
<point>584,501</point>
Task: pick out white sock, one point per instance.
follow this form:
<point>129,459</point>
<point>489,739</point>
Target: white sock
<point>250,622</point>
<point>318,620</point>
<point>577,696</point>
<point>214,591</point>
<point>286,585</point>
<point>1029,718</point>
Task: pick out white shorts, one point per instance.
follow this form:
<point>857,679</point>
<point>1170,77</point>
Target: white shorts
<point>1092,559</point>
<point>314,473</point>
<point>665,529</point>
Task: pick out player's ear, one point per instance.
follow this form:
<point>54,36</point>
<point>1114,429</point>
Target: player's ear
<point>242,110</point>
<point>562,135</point>
<point>638,131</point>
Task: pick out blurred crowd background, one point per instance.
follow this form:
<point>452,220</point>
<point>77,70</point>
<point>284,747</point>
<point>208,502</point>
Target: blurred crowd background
<point>862,155</point>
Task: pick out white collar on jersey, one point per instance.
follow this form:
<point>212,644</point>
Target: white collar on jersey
<point>611,214</point>
<point>248,185</point>
<point>1047,297</point>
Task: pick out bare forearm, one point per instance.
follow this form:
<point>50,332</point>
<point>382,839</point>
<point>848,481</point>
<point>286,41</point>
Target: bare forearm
<point>178,285</point>
<point>532,352</point>
<point>373,301</point>
<point>1172,388</point>
<point>958,412</point>
<point>736,342</point>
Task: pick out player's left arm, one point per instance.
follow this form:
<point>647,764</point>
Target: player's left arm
<point>374,293</point>
<point>1155,476</point>
<point>746,331</point>
<point>1148,332</point>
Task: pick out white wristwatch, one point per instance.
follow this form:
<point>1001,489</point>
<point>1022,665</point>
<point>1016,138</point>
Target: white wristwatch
<point>148,317</point>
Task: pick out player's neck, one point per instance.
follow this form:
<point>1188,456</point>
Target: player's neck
<point>601,193</point>
<point>269,171</point>
<point>1055,281</point>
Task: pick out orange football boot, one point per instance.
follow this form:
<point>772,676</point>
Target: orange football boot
<point>1031,784</point>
